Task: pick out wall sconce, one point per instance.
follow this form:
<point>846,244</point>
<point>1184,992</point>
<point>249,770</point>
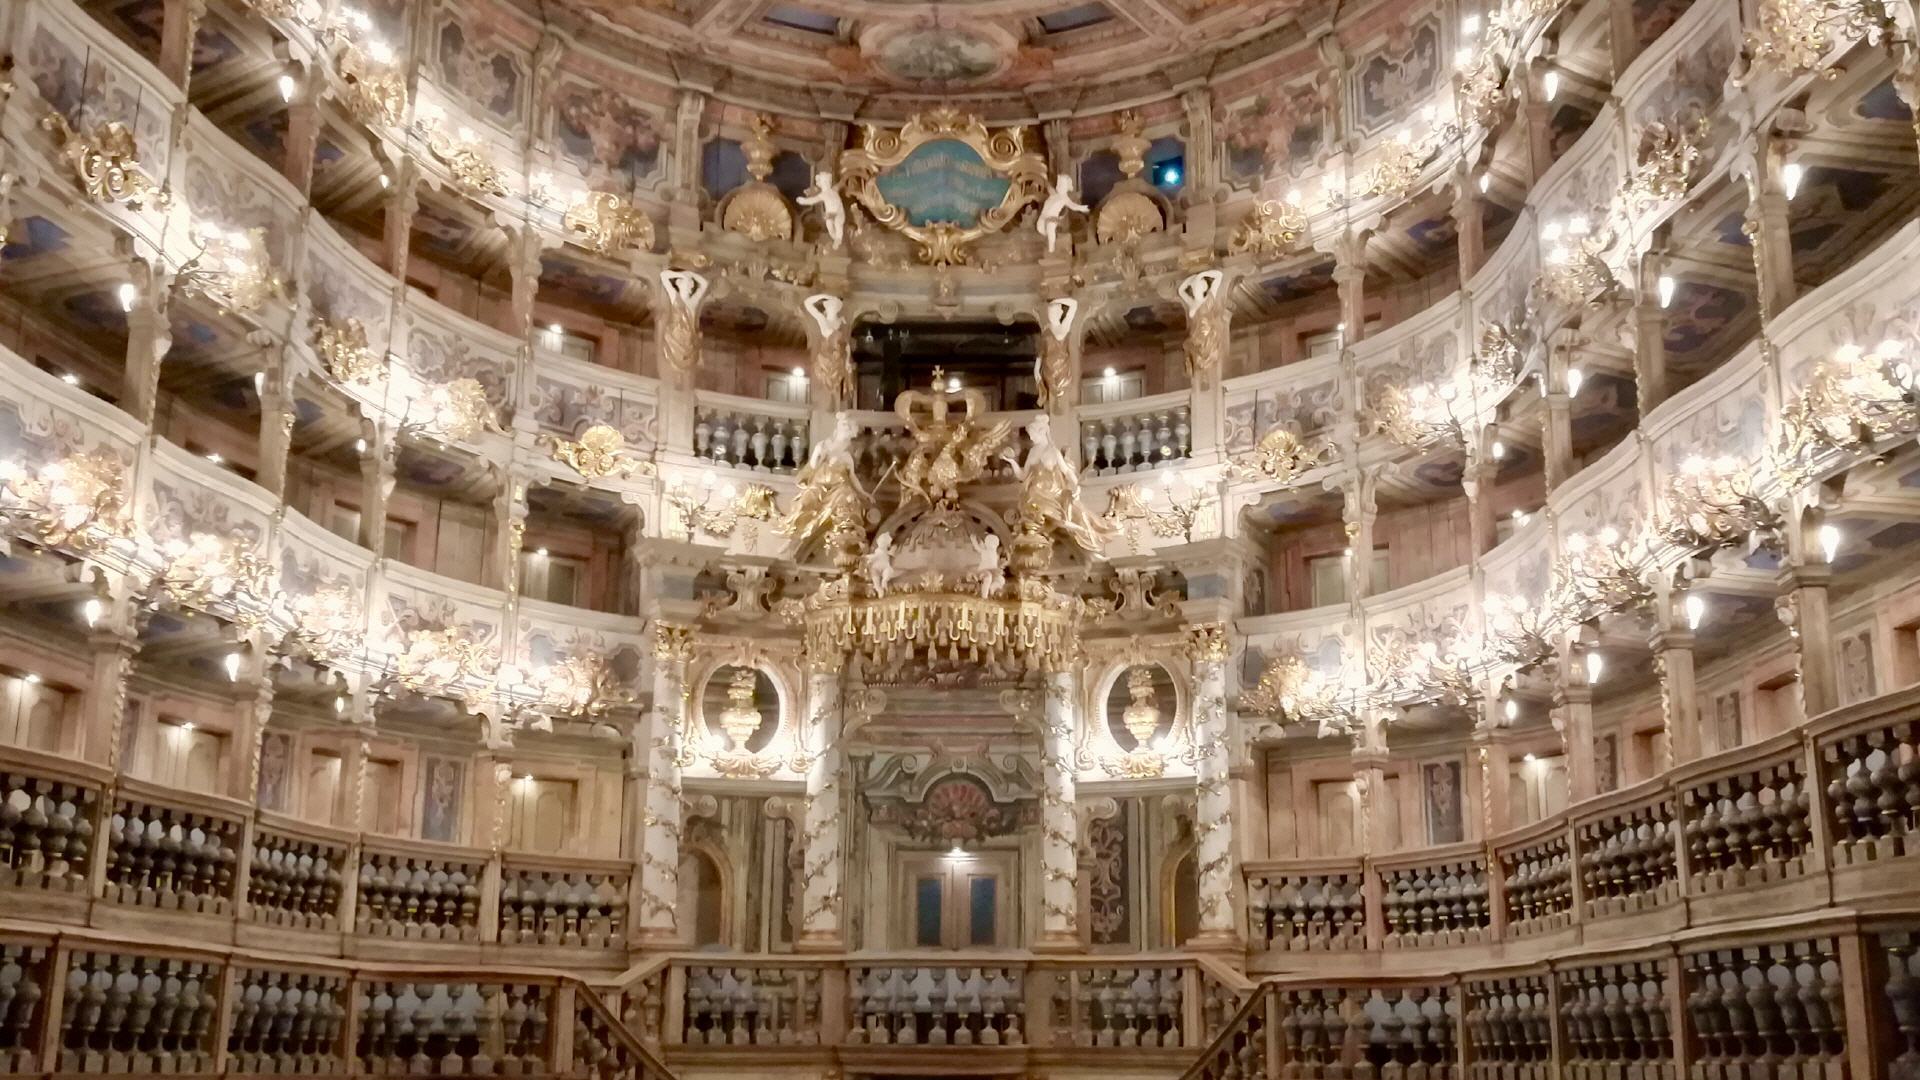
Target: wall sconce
<point>1790,176</point>
<point>1664,288</point>
<point>1830,541</point>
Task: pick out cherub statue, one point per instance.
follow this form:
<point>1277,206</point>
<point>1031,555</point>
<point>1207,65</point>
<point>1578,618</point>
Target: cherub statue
<point>987,571</point>
<point>879,564</point>
<point>1050,488</point>
<point>829,495</point>
<point>833,209</point>
<point>1056,207</point>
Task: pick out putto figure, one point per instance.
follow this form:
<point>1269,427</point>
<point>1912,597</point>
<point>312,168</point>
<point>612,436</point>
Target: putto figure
<point>1055,209</point>
<point>833,209</point>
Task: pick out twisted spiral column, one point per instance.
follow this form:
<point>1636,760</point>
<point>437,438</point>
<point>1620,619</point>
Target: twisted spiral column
<point>1213,803</point>
<point>1060,825</point>
<point>822,865</point>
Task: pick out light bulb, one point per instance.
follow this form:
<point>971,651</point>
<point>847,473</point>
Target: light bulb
<point>1486,181</point>
<point>286,88</point>
<point>1499,449</point>
<point>70,379</point>
<point>539,553</point>
<point>1665,287</point>
<point>31,678</point>
<point>128,294</point>
<point>1469,26</point>
<point>1550,85</point>
<point>1790,176</point>
<point>186,727</point>
<point>1511,709</point>
<point>340,705</point>
<point>92,610</point>
<point>215,457</point>
<point>232,664</point>
<point>385,181</point>
<point>1830,541</point>
<point>1595,665</point>
<point>1528,758</point>
<point>1575,378</point>
<point>360,446</point>
<point>1696,607</point>
<point>953,385</point>
<point>1110,374</point>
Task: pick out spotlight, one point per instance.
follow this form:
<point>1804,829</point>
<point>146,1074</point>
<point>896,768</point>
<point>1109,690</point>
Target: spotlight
<point>1696,606</point>
<point>1665,287</point>
<point>128,294</point>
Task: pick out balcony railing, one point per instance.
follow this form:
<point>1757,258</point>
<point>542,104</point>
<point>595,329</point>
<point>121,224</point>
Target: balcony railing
<point>1778,998</point>
<point>71,1003</point>
<point>1688,849</point>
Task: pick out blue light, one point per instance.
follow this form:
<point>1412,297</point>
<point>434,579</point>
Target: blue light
<point>1170,176</point>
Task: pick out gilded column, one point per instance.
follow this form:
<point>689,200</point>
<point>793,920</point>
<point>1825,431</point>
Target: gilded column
<point>1213,802</point>
<point>660,839</point>
<point>823,864</point>
<point>1059,820</point>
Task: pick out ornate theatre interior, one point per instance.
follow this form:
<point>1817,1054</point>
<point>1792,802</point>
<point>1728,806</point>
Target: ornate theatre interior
<point>824,539</point>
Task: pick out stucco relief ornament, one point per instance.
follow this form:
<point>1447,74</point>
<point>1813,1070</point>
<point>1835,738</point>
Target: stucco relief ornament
<point>1203,295</point>
<point>1282,456</point>
<point>600,451</point>
<point>1794,36</point>
<point>343,348</point>
<point>833,209</point>
<point>1059,202</point>
<point>1664,163</point>
<point>1053,368</point>
<point>106,161</point>
<point>832,347</point>
<point>757,210</point>
<point>1272,227</point>
<point>607,224</point>
<point>683,290</point>
<point>1141,719</point>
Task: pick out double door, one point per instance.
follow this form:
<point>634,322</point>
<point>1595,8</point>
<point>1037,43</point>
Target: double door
<point>958,901</point>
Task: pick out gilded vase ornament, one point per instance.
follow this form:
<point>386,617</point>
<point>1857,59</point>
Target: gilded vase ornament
<point>607,224</point>
<point>106,161</point>
<point>948,451</point>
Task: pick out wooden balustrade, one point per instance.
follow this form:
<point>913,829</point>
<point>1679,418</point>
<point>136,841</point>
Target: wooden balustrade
<point>1537,884</point>
<point>1628,856</point>
<point>1314,909</point>
<point>752,1006</point>
<point>48,818</point>
<point>296,880</point>
<point>74,1003</point>
<point>172,851</point>
<point>556,903</point>
<point>1441,901</point>
<point>937,1005</point>
<point>1828,995</point>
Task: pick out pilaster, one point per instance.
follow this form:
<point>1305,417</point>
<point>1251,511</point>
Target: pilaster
<point>823,870</point>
